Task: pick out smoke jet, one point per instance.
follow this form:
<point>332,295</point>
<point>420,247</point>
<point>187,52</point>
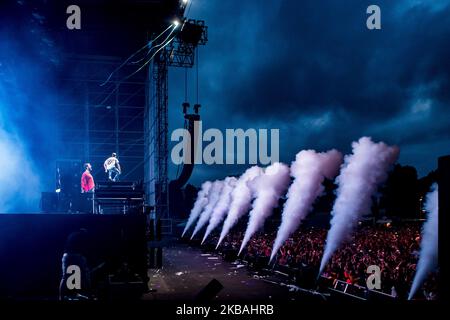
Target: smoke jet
<point>200,203</point>
<point>268,189</point>
<point>213,198</point>
<point>308,170</point>
<point>428,258</point>
<point>222,206</point>
<point>241,199</point>
<point>360,176</point>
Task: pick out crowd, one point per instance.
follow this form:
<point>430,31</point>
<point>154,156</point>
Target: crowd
<point>395,249</point>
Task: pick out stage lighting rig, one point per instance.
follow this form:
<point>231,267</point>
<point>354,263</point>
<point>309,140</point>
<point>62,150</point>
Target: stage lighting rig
<point>181,51</point>
<point>193,32</point>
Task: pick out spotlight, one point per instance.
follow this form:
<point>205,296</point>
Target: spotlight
<point>176,23</point>
<point>185,1</point>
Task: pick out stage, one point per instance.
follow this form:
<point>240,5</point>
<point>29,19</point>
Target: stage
<point>187,270</point>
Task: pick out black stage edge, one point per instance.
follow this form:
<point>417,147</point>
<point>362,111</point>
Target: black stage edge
<point>444,211</point>
<point>32,245</point>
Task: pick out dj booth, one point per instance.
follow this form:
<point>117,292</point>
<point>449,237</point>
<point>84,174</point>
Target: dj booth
<point>107,198</point>
<point>118,197</point>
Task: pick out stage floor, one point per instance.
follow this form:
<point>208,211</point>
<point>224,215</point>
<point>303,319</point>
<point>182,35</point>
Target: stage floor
<point>187,270</point>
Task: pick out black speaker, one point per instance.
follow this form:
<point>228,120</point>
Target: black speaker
<point>306,277</point>
<point>210,291</point>
<point>68,176</point>
<point>158,230</point>
<point>83,203</point>
<point>49,202</point>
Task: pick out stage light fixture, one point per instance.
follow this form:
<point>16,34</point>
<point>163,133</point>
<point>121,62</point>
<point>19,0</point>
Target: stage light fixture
<point>176,23</point>
<point>192,32</point>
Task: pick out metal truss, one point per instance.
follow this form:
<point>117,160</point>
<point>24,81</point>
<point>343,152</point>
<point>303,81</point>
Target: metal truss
<point>179,53</point>
<point>156,138</point>
<point>98,120</point>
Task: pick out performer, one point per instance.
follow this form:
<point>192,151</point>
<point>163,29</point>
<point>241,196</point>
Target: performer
<point>112,166</point>
<point>87,180</point>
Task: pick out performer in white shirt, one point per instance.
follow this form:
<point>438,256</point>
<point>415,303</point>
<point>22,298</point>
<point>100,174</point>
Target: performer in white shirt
<point>112,166</point>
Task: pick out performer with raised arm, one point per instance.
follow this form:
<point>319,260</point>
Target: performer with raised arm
<point>112,167</point>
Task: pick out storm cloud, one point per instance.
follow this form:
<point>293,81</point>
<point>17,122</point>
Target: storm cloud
<point>314,70</point>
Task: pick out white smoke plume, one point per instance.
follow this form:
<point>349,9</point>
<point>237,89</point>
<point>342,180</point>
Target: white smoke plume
<point>309,171</point>
<point>200,203</point>
<point>241,200</point>
<point>222,206</point>
<point>213,198</point>
<point>16,166</point>
<point>267,189</point>
<point>361,173</point>
<point>428,258</point>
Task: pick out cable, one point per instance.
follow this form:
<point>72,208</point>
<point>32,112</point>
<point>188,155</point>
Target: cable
<point>147,62</point>
<point>185,85</point>
<point>129,76</point>
<point>196,58</point>
<point>161,33</point>
<point>123,64</point>
<point>134,54</point>
<point>154,47</point>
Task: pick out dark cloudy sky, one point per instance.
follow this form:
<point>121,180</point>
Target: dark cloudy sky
<point>313,69</point>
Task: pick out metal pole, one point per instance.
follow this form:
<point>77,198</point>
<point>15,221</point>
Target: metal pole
<point>116,117</point>
<point>86,122</point>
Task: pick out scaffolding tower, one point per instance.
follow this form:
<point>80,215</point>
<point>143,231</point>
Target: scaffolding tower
<point>179,53</point>
<point>99,120</point>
